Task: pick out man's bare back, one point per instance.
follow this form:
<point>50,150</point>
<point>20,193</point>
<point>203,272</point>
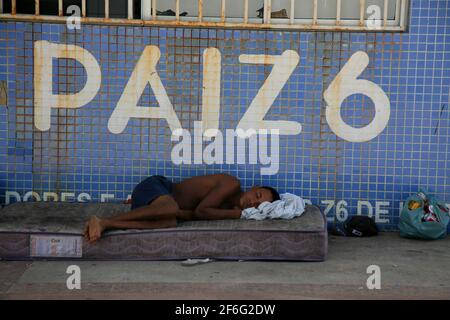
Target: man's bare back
<point>190,192</point>
<point>159,203</point>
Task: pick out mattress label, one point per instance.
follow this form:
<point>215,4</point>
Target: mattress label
<point>56,246</point>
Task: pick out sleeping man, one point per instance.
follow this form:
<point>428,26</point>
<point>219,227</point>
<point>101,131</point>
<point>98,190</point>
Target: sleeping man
<point>157,202</point>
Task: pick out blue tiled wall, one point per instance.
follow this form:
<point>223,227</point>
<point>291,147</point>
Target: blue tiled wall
<point>79,155</point>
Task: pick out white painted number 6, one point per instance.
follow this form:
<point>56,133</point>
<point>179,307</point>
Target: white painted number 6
<point>346,84</point>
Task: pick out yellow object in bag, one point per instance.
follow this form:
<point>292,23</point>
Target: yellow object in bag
<point>413,205</point>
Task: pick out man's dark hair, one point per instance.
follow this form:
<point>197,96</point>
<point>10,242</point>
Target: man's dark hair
<point>275,194</point>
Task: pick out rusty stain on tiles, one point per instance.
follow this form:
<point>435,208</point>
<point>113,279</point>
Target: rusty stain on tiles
<point>3,93</point>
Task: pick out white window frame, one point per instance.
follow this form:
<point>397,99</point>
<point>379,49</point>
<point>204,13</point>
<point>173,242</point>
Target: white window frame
<point>149,17</point>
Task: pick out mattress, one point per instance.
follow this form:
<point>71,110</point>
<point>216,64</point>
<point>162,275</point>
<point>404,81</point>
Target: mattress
<point>54,230</point>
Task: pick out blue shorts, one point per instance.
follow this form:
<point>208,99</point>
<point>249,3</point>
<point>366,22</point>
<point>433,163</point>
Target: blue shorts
<point>150,189</point>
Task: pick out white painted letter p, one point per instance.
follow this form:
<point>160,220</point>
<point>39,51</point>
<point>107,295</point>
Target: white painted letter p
<point>44,99</point>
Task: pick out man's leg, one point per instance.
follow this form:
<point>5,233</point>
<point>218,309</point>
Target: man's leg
<point>95,226</point>
<point>160,213</point>
<point>161,208</point>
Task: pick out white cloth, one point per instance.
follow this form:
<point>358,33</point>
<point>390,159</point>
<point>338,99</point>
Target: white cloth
<point>288,207</point>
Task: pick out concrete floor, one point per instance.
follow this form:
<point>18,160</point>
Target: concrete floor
<point>410,269</point>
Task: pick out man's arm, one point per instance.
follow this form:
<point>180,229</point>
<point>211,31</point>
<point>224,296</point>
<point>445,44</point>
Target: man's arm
<point>209,207</point>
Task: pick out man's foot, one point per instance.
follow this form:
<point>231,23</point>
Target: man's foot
<point>94,229</point>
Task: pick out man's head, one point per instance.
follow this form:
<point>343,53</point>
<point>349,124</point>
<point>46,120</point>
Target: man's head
<point>257,195</point>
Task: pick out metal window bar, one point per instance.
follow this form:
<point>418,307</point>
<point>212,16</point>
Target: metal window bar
<point>403,15</point>
<point>292,18</point>
<point>154,9</point>
<point>362,10</point>
<point>397,23</point>
<point>200,10</point>
<point>222,11</point>
<point>60,8</point>
<point>146,10</point>
<point>106,9</point>
<point>385,12</point>
<point>315,13</point>
<point>397,11</point>
<point>338,12</point>
<point>130,9</point>
<point>267,11</point>
<point>245,11</point>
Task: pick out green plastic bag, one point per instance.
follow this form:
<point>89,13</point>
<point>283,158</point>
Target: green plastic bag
<point>424,217</point>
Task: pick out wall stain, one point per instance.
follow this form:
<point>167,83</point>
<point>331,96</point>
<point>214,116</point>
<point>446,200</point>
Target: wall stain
<point>3,93</point>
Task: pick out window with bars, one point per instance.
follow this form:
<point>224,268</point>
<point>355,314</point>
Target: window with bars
<point>376,15</point>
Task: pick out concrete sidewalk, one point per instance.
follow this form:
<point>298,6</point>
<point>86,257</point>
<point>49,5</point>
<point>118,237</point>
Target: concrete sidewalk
<point>410,269</point>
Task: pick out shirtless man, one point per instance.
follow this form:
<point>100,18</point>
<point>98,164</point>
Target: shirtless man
<point>156,203</point>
